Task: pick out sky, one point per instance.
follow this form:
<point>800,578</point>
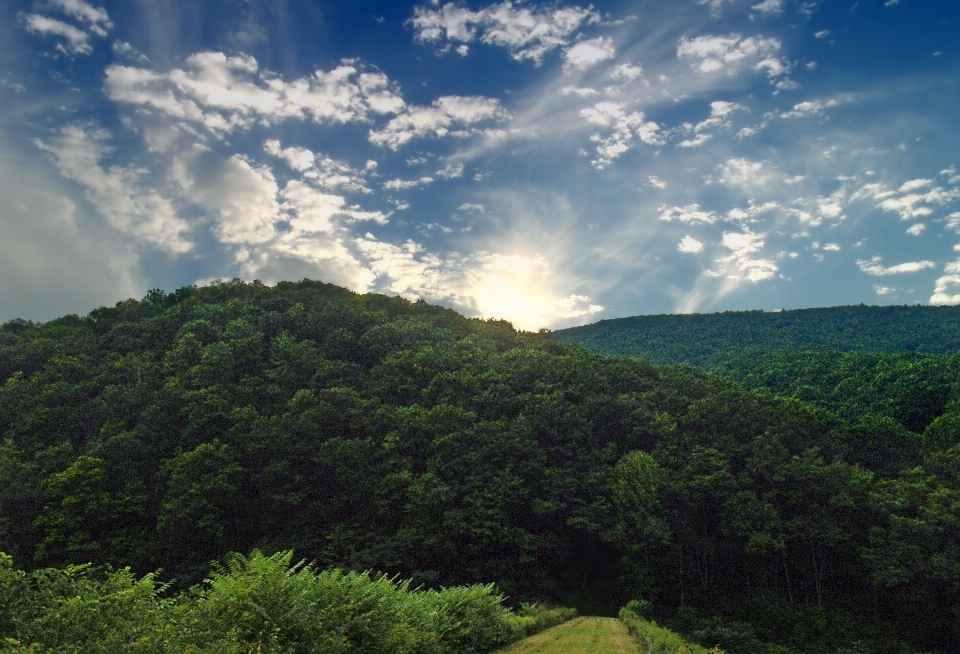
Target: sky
<point>553,164</point>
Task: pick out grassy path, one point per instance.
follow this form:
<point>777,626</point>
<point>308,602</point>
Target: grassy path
<point>578,636</point>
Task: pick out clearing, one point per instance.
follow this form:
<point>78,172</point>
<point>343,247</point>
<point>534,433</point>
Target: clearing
<point>580,635</point>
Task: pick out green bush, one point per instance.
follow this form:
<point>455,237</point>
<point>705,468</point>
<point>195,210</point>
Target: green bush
<point>532,618</point>
<point>257,604</point>
<point>77,609</point>
<point>654,639</point>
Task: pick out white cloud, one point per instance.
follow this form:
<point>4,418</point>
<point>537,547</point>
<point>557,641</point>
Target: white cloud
<point>872,190</point>
<point>228,93</point>
<point>914,184</point>
<point>690,245</point>
<point>809,108</point>
<point>583,93</point>
<point>688,214</point>
<point>124,49</point>
<point>785,84</point>
<point>78,41</point>
<point>401,184</point>
<point>118,193</point>
<point>752,212</point>
<point>589,53</point>
<point>437,119</point>
<point>875,268</point>
<point>325,172</point>
<point>744,245</point>
<point>774,68</point>
<point>822,34</point>
<point>910,206</point>
<point>625,128</point>
<point>953,222</point>
<point>831,247</point>
<point>656,182</point>
<point>947,288</point>
<point>311,210</point>
<point>525,33</point>
<point>747,175</point>
<point>768,8</point>
<point>883,290</point>
<point>719,112</point>
<point>300,159</point>
<point>466,206</point>
<point>916,230</point>
<point>463,50</point>
<point>451,171</point>
<point>298,255</point>
<point>951,173</point>
<point>625,72</point>
<point>712,54</point>
<point>695,142</point>
<point>96,17</point>
<point>241,199</point>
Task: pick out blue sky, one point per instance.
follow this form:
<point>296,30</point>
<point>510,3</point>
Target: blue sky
<point>551,164</point>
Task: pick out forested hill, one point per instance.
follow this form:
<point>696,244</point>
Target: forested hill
<point>372,433</point>
<point>710,340</point>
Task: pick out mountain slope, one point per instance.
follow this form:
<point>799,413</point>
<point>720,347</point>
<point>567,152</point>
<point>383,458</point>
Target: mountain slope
<point>368,432</point>
<point>709,340</point>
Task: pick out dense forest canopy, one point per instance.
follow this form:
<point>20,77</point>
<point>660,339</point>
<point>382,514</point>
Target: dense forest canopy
<point>372,433</point>
<point>710,340</point>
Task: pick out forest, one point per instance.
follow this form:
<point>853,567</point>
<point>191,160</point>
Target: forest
<point>711,340</point>
<point>785,496</point>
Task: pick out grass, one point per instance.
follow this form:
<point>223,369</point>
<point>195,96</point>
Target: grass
<point>580,636</point>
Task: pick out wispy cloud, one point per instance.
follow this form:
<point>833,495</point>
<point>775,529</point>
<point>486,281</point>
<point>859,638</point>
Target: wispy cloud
<point>117,192</point>
<point>78,41</point>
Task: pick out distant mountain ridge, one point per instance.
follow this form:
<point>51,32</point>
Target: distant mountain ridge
<point>708,340</point>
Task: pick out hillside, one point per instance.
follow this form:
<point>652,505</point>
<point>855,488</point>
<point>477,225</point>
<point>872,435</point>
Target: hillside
<point>709,340</point>
<point>371,433</point>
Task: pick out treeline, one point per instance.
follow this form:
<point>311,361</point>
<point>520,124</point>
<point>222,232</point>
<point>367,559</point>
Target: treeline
<point>263,604</point>
<point>711,340</point>
<point>371,433</point>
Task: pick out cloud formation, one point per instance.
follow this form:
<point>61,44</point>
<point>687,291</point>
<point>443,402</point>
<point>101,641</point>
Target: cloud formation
<point>117,192</point>
<point>875,268</point>
<point>624,127</point>
<point>224,93</point>
<point>589,53</point>
<point>526,33</point>
<point>715,53</point>
<point>448,112</point>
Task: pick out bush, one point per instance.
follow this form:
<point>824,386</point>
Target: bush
<point>261,604</point>
<point>654,639</point>
<point>77,609</point>
<point>534,618</point>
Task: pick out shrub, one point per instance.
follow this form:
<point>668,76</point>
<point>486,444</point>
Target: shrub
<point>654,639</point>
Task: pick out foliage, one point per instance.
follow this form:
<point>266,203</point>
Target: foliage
<point>711,340</point>
<point>250,604</point>
<point>654,639</point>
<point>816,499</point>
